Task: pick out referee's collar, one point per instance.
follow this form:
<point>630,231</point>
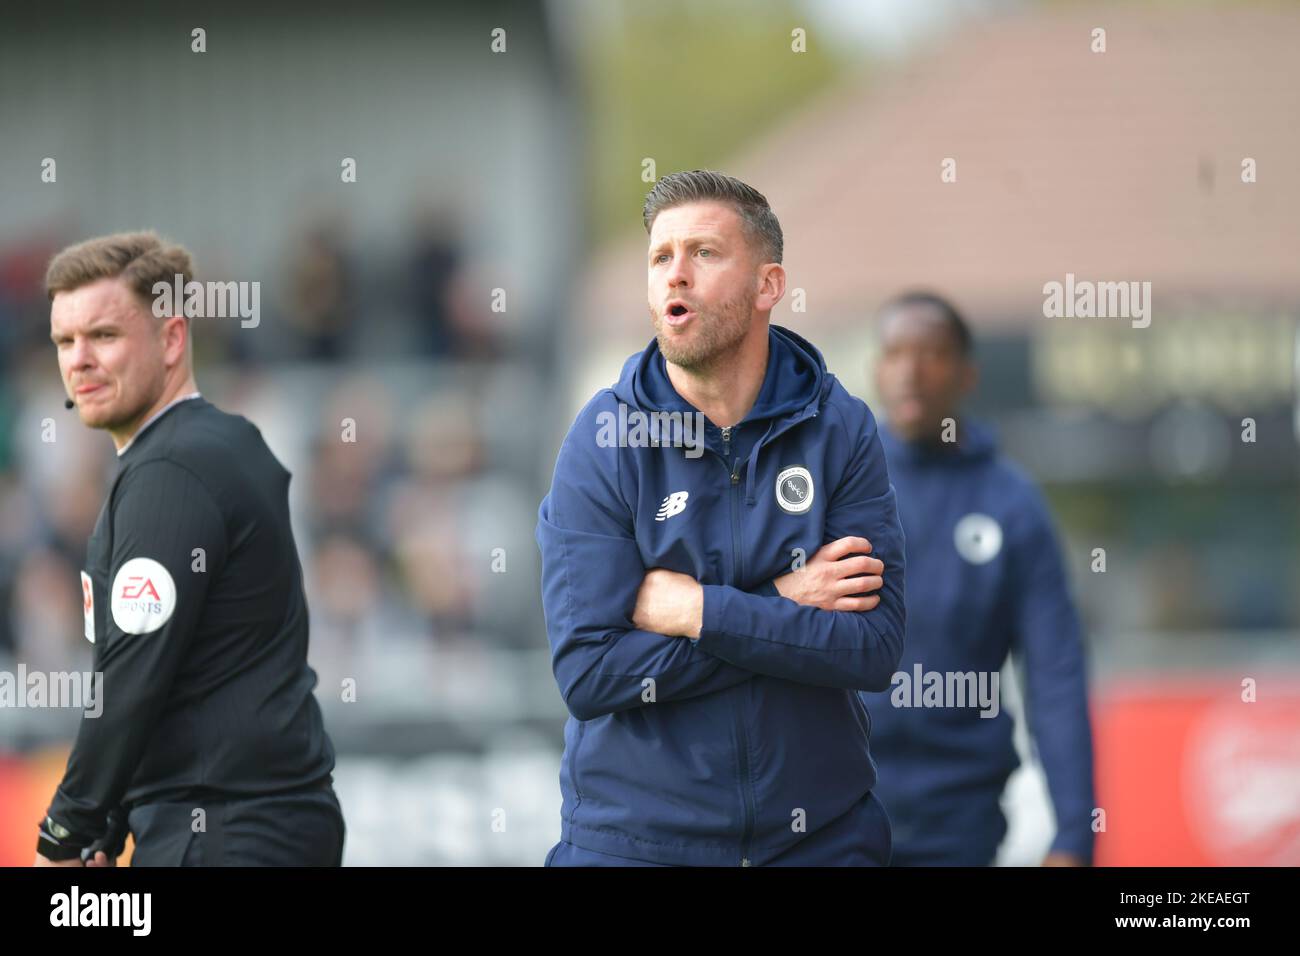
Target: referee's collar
<point>154,417</point>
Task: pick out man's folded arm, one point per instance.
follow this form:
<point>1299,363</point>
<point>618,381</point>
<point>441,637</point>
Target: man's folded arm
<point>859,650</point>
<point>591,573</point>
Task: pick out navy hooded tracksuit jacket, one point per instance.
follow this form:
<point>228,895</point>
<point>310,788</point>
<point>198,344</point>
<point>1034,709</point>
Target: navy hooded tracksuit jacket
<point>750,744</point>
<point>984,578</point>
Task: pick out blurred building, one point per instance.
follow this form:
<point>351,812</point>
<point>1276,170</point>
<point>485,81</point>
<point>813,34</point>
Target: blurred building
<point>1172,443</point>
<point>1110,167</point>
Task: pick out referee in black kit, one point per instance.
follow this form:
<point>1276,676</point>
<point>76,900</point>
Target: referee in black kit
<point>210,748</point>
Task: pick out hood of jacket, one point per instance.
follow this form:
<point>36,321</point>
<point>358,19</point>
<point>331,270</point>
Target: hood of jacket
<point>795,386</point>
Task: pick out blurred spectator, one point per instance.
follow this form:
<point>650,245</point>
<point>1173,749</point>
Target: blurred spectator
<point>435,259</point>
<point>46,612</point>
<point>426,514</point>
<point>23,306</point>
<point>450,302</point>
<point>321,309</point>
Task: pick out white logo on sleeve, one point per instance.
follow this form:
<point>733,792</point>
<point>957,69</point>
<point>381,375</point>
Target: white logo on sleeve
<point>674,504</point>
<point>88,605</point>
<point>143,596</point>
<point>978,538</point>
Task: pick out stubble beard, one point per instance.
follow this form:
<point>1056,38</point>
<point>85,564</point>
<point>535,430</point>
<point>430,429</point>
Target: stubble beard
<point>718,332</point>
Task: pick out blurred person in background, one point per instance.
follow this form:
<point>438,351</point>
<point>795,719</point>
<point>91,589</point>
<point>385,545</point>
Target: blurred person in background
<point>43,613</point>
<point>985,578</point>
<point>193,601</point>
<point>321,307</point>
<point>435,259</point>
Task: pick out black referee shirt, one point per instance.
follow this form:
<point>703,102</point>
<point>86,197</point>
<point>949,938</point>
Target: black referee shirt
<point>194,600</point>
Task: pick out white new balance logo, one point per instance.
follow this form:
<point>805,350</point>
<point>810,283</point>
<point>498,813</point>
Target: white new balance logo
<point>674,504</point>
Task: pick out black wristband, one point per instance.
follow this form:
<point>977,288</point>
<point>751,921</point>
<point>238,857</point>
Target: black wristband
<point>52,847</point>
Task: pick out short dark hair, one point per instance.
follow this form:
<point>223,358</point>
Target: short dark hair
<point>701,185</point>
<point>956,321</point>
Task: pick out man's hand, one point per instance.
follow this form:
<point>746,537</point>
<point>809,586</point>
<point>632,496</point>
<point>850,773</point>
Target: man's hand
<point>826,581</point>
<point>669,603</point>
<point>1059,858</point>
<point>102,859</point>
<point>45,861</point>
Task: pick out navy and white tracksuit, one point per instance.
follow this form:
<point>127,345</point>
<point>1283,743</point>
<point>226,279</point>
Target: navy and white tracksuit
<point>985,578</point>
<point>748,745</point>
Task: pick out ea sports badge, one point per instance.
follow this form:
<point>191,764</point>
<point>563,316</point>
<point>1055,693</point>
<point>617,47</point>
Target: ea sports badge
<point>794,489</point>
<point>143,596</point>
<point>88,605</point>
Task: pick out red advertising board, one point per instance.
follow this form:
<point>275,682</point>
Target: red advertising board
<point>1202,772</point>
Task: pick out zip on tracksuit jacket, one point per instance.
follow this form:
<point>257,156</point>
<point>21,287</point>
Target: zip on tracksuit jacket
<point>731,748</point>
<point>986,578</point>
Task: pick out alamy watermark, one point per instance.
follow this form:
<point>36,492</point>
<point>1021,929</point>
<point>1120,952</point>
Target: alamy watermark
<point>75,908</point>
<point>209,300</point>
<point>633,428</point>
<point>924,688</point>
<point>55,689</point>
<point>1102,300</point>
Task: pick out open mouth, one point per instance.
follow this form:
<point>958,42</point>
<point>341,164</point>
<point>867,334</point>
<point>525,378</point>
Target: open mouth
<point>678,313</point>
